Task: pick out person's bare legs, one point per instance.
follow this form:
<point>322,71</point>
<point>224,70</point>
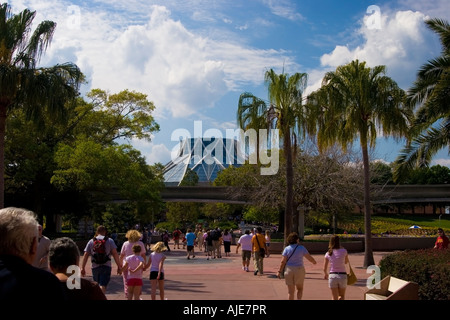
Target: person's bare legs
<point>131,292</point>
<point>153,284</point>
<point>299,291</point>
<point>291,291</point>
<point>338,293</point>
<point>161,289</point>
<point>137,292</point>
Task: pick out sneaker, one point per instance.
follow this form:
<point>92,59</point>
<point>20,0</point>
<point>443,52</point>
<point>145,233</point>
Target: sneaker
<point>246,269</point>
<point>255,273</point>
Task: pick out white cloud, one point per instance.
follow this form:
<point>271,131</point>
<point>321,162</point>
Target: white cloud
<point>284,8</point>
<point>402,43</point>
<point>181,72</point>
<point>442,161</point>
<point>153,153</point>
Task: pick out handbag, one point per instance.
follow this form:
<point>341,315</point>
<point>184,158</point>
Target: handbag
<point>351,277</point>
<point>284,268</point>
<point>262,251</point>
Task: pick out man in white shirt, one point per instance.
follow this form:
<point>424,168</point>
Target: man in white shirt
<point>245,241</point>
<point>41,258</point>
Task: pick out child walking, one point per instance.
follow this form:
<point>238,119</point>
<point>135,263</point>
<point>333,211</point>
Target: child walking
<point>156,264</point>
<point>135,264</point>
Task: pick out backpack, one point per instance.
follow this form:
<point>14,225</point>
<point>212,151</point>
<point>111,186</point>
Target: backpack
<point>215,235</point>
<point>100,256</point>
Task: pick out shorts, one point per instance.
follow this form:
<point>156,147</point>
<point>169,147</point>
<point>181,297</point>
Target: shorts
<point>337,281</point>
<point>190,248</point>
<point>246,255</point>
<point>133,282</point>
<point>102,275</point>
<point>154,275</point>
<point>294,276</point>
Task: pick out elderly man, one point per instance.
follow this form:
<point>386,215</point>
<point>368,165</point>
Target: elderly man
<point>19,280</point>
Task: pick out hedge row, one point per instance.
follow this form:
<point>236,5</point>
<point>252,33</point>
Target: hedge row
<point>430,268</point>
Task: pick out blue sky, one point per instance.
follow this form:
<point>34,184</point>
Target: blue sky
<point>193,58</point>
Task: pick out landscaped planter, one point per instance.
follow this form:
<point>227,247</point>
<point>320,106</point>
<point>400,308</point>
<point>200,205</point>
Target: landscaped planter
<point>319,247</point>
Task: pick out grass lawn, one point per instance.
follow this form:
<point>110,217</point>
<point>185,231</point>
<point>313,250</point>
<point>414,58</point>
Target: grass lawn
<point>399,224</point>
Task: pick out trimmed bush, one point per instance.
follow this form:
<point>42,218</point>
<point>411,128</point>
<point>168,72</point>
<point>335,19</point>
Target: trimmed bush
<point>430,268</point>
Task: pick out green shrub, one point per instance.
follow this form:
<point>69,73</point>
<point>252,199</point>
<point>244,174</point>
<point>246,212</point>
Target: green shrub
<point>430,268</point>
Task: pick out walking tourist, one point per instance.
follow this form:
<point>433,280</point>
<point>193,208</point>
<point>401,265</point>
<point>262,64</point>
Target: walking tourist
<point>135,264</point>
<point>133,237</point>
<point>190,242</point>
<point>259,251</point>
<point>41,259</point>
<point>226,237</point>
<point>245,241</point>
<point>156,264</point>
<point>267,236</point>
<point>292,263</point>
<point>337,258</point>
<point>101,248</point>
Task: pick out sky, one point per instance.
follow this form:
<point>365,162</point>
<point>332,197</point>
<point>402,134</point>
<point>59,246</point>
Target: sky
<point>194,58</point>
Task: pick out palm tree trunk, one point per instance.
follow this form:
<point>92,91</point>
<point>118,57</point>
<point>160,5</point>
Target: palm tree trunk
<point>368,252</point>
<point>3,111</point>
<point>289,185</point>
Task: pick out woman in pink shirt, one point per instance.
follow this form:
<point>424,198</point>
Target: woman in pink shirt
<point>133,237</point>
<point>337,257</point>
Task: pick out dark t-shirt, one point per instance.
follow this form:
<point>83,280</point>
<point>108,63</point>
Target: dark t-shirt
<point>90,290</point>
<point>21,281</point>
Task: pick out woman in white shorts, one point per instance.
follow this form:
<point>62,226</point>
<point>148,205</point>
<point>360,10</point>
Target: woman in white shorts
<point>337,257</point>
<point>292,262</point>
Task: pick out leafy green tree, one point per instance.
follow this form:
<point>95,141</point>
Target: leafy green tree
<point>252,113</point>
<point>182,214</point>
<point>434,175</point>
<point>29,158</point>
<point>265,215</point>
<point>89,166</point>
<point>23,84</point>
<point>110,117</point>
<point>353,102</point>
<point>431,130</point>
<point>380,173</point>
<point>190,178</point>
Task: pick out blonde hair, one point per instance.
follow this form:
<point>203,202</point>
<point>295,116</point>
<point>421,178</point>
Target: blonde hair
<point>18,229</point>
<point>133,235</point>
<point>159,247</point>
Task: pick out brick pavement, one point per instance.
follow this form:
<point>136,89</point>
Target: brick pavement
<point>224,279</point>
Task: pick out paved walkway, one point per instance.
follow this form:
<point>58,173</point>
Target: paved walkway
<point>224,279</point>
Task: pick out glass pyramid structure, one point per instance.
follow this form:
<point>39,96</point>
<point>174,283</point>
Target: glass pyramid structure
<point>205,156</point>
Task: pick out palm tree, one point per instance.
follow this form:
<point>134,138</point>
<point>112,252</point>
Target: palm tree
<point>354,102</point>
<point>22,83</point>
<point>431,130</point>
<point>284,112</point>
<point>252,114</point>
